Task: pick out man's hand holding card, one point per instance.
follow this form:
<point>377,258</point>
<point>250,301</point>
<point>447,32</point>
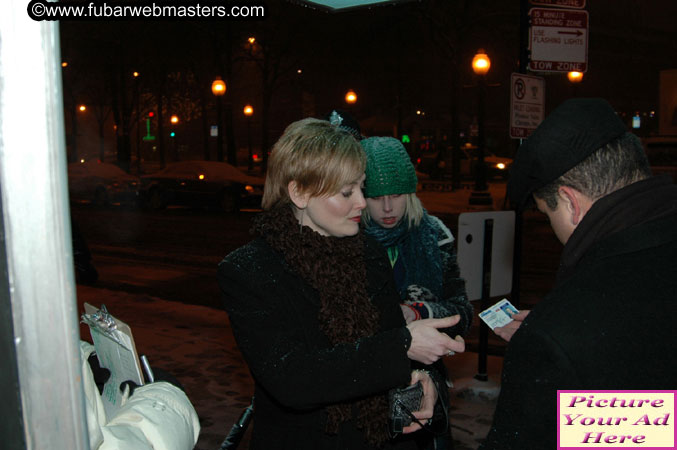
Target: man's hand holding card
<point>503,318</point>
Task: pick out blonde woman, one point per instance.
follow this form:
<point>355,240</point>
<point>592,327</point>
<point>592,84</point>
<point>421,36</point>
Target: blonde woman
<point>314,309</point>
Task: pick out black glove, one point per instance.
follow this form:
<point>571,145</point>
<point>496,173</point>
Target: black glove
<point>132,386</point>
<point>101,374</point>
<point>159,375</point>
<point>163,375</point>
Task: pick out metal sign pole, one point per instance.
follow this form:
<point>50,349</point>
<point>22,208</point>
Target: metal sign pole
<point>486,281</point>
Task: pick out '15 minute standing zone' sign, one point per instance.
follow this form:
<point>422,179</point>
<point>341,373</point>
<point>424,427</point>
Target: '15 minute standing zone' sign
<point>559,40</point>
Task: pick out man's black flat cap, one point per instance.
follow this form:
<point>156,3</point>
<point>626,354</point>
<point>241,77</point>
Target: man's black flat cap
<point>571,133</point>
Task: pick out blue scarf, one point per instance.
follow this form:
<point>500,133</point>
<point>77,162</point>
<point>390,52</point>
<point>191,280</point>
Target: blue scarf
<point>418,249</point>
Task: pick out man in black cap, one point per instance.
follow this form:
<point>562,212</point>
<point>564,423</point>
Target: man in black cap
<point>608,324</point>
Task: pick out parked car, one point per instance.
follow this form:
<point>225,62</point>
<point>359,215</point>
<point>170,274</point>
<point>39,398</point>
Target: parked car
<point>201,183</point>
<point>101,183</point>
<point>662,154</point>
<point>497,166</point>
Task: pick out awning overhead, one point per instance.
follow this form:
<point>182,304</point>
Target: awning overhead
<point>336,5</point>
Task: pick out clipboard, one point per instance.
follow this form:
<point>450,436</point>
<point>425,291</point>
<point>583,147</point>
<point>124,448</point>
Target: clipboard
<point>116,351</point>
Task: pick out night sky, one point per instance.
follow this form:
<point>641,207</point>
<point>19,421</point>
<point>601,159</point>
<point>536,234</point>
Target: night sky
<point>399,58</point>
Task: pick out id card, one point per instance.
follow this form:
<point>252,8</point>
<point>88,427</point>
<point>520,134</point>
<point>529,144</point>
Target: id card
<point>499,315</point>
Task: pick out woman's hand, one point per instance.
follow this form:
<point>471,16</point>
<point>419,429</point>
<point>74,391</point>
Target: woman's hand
<point>428,402</point>
<point>428,344</point>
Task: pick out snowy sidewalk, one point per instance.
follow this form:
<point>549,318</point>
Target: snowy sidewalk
<point>195,343</point>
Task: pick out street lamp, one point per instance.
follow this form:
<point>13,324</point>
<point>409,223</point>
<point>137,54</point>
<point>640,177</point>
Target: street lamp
<point>218,89</point>
<point>351,97</point>
<point>74,130</point>
<point>139,121</point>
<point>249,112</point>
<point>575,77</point>
<point>481,63</point>
<point>174,120</point>
<point>480,195</point>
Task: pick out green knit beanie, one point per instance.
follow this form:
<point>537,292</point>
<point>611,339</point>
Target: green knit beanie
<point>389,169</point>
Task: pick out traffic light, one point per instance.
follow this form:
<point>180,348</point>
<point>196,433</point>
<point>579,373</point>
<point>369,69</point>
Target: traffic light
<point>149,118</point>
<point>172,134</point>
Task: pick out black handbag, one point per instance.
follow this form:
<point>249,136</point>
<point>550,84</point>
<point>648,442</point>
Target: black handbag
<point>402,402</point>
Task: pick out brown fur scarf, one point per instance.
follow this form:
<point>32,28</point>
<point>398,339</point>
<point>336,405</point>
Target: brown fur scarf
<point>335,268</point>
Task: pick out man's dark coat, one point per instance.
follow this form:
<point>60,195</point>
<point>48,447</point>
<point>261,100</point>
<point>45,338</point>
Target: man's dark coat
<point>610,325</point>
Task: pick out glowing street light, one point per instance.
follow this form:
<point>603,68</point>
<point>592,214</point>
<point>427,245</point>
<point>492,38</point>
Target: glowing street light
<point>480,194</point>
<point>219,89</point>
<point>251,39</point>
<point>575,77</point>
<point>351,97</point>
<point>481,62</point>
<point>249,112</point>
<point>82,108</point>
<point>174,119</point>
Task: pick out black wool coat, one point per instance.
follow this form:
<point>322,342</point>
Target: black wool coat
<point>610,326</point>
<point>297,372</point>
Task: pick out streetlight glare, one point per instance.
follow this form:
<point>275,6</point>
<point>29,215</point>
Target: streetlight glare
<point>249,112</point>
<point>136,74</point>
<point>351,97</point>
<point>82,108</point>
<point>174,119</point>
<point>251,39</point>
<point>481,62</point>
<point>218,86</point>
<point>64,64</point>
<point>575,77</point>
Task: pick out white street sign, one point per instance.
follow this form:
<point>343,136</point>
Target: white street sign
<point>560,3</point>
<point>527,104</point>
<point>559,40</point>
